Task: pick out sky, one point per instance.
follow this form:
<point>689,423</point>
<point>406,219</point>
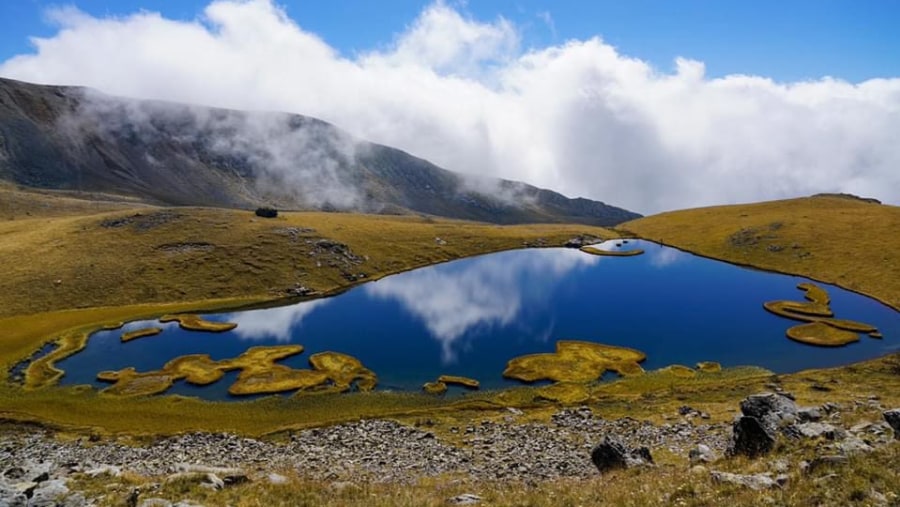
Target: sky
<point>651,105</point>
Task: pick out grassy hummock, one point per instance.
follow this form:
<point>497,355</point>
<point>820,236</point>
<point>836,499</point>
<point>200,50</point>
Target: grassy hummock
<point>821,328</point>
<point>575,361</point>
<point>191,322</point>
<point>611,253</point>
<point>140,333</point>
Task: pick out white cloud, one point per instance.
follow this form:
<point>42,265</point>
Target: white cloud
<point>580,117</point>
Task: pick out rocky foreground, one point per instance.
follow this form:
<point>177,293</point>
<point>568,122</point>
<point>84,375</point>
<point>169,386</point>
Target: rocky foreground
<point>41,468</point>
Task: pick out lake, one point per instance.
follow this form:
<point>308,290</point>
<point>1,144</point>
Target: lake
<point>469,317</point>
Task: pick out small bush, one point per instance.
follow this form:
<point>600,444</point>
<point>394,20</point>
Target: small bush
<point>266,212</point>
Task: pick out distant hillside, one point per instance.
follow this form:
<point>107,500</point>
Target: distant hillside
<point>841,239</point>
<point>166,153</point>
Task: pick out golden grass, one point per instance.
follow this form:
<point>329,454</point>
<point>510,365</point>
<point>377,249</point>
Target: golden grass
<point>191,322</point>
<point>821,334</point>
<point>574,361</point>
<point>259,373</point>
<point>709,366</point>
<point>460,381</point>
<point>140,333</point>
<point>846,242</point>
<point>87,257</point>
<point>821,329</point>
<point>434,388</point>
<point>611,253</point>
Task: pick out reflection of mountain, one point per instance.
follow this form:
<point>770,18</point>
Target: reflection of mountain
<point>274,322</point>
<point>452,299</point>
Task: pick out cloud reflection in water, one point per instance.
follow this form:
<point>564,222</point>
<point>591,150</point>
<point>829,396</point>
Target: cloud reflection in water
<point>487,291</point>
<point>277,323</point>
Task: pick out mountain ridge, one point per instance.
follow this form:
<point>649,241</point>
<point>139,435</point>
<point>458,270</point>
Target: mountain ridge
<point>75,138</point>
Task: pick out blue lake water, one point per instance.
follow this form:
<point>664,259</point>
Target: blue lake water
<point>469,317</point>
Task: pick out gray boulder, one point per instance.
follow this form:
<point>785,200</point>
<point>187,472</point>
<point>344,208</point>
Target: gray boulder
<point>774,410</point>
<point>612,454</point>
<point>751,437</point>
<point>893,418</point>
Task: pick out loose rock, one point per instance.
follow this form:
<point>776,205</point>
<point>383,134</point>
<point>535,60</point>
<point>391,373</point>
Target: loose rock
<point>755,482</point>
<point>611,454</point>
<point>893,418</point>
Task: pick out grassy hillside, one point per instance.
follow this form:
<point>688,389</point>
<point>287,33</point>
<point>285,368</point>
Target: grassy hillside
<point>839,240</point>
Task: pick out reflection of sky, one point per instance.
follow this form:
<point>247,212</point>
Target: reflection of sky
<point>662,257</point>
<point>487,291</point>
<point>276,323</point>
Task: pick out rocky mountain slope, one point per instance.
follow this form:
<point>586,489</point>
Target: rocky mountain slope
<point>166,153</point>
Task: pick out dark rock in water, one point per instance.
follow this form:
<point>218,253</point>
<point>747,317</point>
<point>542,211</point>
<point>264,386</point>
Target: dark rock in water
<point>581,240</point>
<point>751,437</point>
<point>611,454</point>
<point>893,418</point>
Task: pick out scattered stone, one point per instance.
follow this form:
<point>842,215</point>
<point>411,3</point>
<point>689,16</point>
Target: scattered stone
<point>276,479</point>
<point>822,461</point>
<point>701,454</point>
<point>47,494</point>
<point>611,454</point>
<point>893,419</point>
<point>581,240</point>
<point>781,466</point>
<point>464,499</point>
<point>229,476</point>
<point>853,445</point>
<point>110,470</point>
<point>816,430</point>
<point>155,502</point>
<point>756,482</point>
<point>808,414</point>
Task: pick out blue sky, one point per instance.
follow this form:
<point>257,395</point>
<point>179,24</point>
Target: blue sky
<point>784,40</point>
<point>651,105</point>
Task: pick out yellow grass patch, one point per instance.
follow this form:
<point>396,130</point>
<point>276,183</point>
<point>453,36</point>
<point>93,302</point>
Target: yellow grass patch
<point>191,322</point>
<point>574,361</point>
<point>460,381</point>
<point>141,333</point>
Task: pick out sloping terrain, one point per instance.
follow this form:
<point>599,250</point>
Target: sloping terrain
<point>78,139</point>
<point>842,240</point>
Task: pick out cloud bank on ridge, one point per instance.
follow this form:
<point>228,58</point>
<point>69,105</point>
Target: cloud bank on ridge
<point>580,117</point>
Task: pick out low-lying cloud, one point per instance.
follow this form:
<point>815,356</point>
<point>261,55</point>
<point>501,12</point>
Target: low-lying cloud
<point>580,117</point>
